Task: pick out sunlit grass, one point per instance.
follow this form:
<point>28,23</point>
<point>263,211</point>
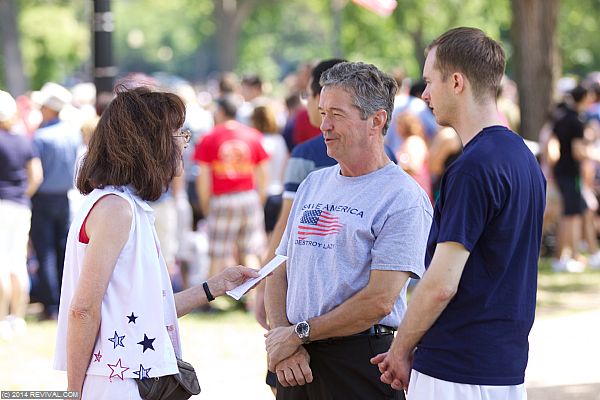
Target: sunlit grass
<point>565,292</point>
<point>227,348</point>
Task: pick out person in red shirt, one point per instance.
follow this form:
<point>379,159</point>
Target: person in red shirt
<point>232,188</point>
<point>303,129</point>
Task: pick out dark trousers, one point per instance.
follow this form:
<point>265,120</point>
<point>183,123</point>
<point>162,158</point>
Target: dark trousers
<point>50,218</point>
<point>341,370</point>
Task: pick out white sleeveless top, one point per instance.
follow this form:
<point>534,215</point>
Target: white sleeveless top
<point>139,335</point>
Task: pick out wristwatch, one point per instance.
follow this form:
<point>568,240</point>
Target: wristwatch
<point>302,329</point>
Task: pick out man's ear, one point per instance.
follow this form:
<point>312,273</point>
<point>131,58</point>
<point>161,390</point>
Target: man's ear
<point>379,119</point>
<point>458,82</point>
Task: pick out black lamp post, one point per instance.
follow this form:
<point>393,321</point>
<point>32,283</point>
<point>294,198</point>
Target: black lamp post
<point>104,68</point>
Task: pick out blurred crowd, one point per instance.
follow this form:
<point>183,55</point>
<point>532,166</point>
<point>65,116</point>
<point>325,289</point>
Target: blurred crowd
<point>569,144</point>
<point>221,211</point>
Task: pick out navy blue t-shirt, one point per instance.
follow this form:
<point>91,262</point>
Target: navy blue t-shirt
<point>492,201</point>
<point>15,152</point>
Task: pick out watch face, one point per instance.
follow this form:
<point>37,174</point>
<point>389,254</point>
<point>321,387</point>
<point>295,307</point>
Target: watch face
<point>302,329</point>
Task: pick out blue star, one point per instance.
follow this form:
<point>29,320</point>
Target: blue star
<point>147,343</point>
<point>132,318</point>
<point>142,373</point>
<point>117,340</point>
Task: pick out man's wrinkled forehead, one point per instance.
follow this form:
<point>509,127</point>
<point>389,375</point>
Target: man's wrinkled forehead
<point>336,98</point>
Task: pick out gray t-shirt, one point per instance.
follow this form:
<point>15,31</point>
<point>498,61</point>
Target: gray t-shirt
<point>340,228</point>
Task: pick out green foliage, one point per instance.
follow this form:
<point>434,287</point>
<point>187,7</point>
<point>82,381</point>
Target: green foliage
<point>156,35</point>
<point>54,42</point>
<point>286,34</point>
<point>2,74</point>
<point>400,40</point>
<point>176,35</point>
<point>578,36</point>
<point>280,37</point>
<point>370,38</point>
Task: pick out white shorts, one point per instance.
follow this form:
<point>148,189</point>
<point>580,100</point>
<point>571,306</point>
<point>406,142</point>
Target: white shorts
<point>14,233</point>
<point>425,387</point>
<point>96,387</point>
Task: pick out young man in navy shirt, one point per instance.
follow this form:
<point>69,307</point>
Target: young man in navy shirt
<point>470,317</point>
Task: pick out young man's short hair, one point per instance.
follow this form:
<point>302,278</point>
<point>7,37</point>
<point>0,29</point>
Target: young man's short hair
<point>471,52</point>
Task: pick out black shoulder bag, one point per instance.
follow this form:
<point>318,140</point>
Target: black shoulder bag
<point>180,386</point>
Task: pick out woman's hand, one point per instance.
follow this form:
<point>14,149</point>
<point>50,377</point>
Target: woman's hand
<point>230,278</point>
<point>195,296</point>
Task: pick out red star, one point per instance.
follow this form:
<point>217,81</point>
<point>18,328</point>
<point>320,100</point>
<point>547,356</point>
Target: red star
<point>115,367</point>
<point>97,356</point>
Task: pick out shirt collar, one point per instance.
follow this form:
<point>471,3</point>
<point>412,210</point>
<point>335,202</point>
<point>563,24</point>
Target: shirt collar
<point>138,200</point>
<point>51,122</point>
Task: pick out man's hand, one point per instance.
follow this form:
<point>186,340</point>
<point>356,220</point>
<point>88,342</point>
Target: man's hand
<point>395,368</point>
<point>281,343</point>
<point>230,278</point>
<point>295,370</point>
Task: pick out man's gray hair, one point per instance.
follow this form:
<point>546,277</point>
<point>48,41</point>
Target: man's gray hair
<point>370,88</point>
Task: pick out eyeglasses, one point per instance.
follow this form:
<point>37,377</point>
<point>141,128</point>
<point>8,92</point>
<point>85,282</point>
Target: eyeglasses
<point>186,134</point>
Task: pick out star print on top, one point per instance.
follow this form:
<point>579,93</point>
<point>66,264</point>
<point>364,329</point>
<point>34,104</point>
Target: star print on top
<point>147,343</point>
<point>142,373</point>
<point>117,340</point>
<point>139,287</point>
<point>97,356</point>
<point>132,318</point>
<point>117,367</point>
<point>318,223</point>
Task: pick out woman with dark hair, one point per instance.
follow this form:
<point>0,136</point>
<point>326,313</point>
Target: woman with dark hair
<point>118,319</point>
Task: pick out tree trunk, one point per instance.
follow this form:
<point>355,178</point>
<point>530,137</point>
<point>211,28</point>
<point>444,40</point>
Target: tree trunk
<point>16,81</point>
<point>417,13</point>
<point>419,44</point>
<point>336,14</point>
<point>229,16</point>
<point>534,30</point>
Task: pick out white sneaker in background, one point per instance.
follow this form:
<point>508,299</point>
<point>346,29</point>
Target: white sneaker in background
<point>18,325</point>
<point>559,265</point>
<point>6,332</point>
<point>594,260</point>
<point>567,265</point>
<point>575,266</point>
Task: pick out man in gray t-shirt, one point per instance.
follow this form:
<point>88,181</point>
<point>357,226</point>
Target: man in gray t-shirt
<point>356,232</point>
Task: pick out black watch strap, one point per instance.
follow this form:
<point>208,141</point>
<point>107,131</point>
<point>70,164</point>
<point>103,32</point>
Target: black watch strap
<point>209,295</point>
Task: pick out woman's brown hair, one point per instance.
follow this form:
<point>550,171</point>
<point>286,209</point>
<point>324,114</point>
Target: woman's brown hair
<point>408,124</point>
<point>264,119</point>
<point>133,143</point>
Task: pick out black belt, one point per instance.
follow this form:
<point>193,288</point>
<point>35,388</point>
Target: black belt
<point>378,330</point>
<point>375,330</point>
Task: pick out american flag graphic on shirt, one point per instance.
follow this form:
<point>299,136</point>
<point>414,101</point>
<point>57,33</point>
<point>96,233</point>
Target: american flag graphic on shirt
<point>318,223</point>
